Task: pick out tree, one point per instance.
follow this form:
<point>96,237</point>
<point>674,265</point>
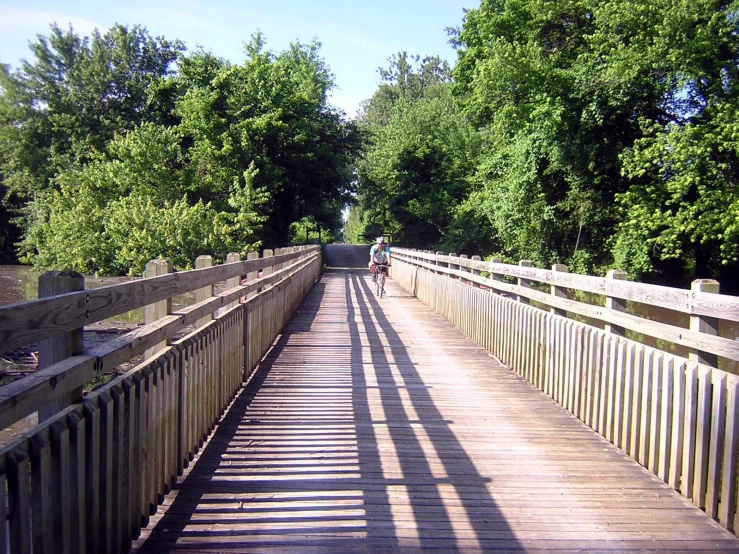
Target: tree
<point>66,105</point>
<point>596,116</point>
<point>414,172</point>
<point>272,111</point>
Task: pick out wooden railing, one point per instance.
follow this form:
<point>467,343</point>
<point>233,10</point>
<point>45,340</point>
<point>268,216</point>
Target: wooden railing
<point>677,416</point>
<point>89,476</point>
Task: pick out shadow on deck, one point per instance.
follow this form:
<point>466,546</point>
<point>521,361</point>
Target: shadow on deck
<point>376,426</point>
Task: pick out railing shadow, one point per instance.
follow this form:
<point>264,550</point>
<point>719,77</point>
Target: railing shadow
<point>432,487</point>
<point>303,463</point>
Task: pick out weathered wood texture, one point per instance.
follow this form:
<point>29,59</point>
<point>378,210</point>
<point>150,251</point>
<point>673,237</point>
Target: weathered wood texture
<point>707,305</point>
<point>674,416</point>
<point>376,426</point>
<point>87,479</point>
<point>26,322</point>
<point>22,397</point>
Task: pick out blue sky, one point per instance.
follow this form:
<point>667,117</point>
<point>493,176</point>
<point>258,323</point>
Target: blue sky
<point>357,37</point>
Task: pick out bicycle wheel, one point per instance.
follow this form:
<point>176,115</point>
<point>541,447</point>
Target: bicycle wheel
<point>381,285</point>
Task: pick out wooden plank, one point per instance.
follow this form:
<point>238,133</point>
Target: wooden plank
<point>627,427</point>
<point>18,473</point>
<point>27,322</point>
<point>702,436</point>
<point>107,531</point>
<point>655,411</point>
<point>130,520</point>
<point>120,461</point>
<point>145,431</point>
<point>4,535</point>
<point>382,428</point>
<point>138,433</point>
<point>61,494</point>
<point>691,419</point>
<point>716,445</point>
<point>76,424</point>
<point>646,408</point>
<point>666,419</point>
<point>727,508</point>
<point>42,490</point>
<point>678,425</point>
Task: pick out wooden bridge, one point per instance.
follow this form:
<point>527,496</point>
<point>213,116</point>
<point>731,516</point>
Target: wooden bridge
<point>469,410</point>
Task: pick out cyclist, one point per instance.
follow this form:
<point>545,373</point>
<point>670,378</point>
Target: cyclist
<point>379,254</point>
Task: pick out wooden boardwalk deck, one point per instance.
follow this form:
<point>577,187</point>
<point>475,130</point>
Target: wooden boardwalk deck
<point>376,426</point>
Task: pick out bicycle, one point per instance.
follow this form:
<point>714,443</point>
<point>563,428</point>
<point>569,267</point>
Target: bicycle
<point>380,279</point>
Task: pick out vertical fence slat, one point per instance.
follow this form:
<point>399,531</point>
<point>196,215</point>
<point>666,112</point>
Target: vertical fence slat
<point>4,537</point>
<point>61,499</point>
<point>18,469</point>
<point>716,444</point>
<point>727,507</point>
<point>42,513</point>
<point>665,433</point>
<point>92,475</point>
<point>702,437</point>
<point>678,425</point>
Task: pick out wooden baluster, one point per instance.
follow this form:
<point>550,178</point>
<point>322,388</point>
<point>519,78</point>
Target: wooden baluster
<point>269,269</point>
<point>475,258</point>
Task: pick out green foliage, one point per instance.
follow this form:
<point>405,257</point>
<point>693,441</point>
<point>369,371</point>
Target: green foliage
<point>607,127</point>
<point>115,213</point>
<point>359,229</point>
<point>414,172</point>
<point>114,160</point>
<point>270,113</point>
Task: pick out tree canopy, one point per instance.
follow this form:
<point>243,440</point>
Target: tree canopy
<point>595,133</point>
<point>111,157</point>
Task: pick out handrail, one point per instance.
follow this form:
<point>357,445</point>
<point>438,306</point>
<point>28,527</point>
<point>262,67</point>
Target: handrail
<point>88,478</point>
<point>27,395</point>
<point>678,417</point>
<point>26,322</point>
<point>680,300</point>
<point>655,295</point>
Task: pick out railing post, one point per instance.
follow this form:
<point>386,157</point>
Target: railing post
<point>232,282</point>
<point>475,258</point>
<point>462,268</point>
<point>704,324</point>
<point>252,275</point>
<point>440,264</point>
<point>205,292</point>
<point>451,265</point>
<point>64,345</point>
<point>526,283</point>
<point>559,292</point>
<point>160,309</point>
<point>269,269</point>
<point>616,304</point>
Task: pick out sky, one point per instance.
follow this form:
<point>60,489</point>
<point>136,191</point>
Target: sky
<point>356,37</point>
